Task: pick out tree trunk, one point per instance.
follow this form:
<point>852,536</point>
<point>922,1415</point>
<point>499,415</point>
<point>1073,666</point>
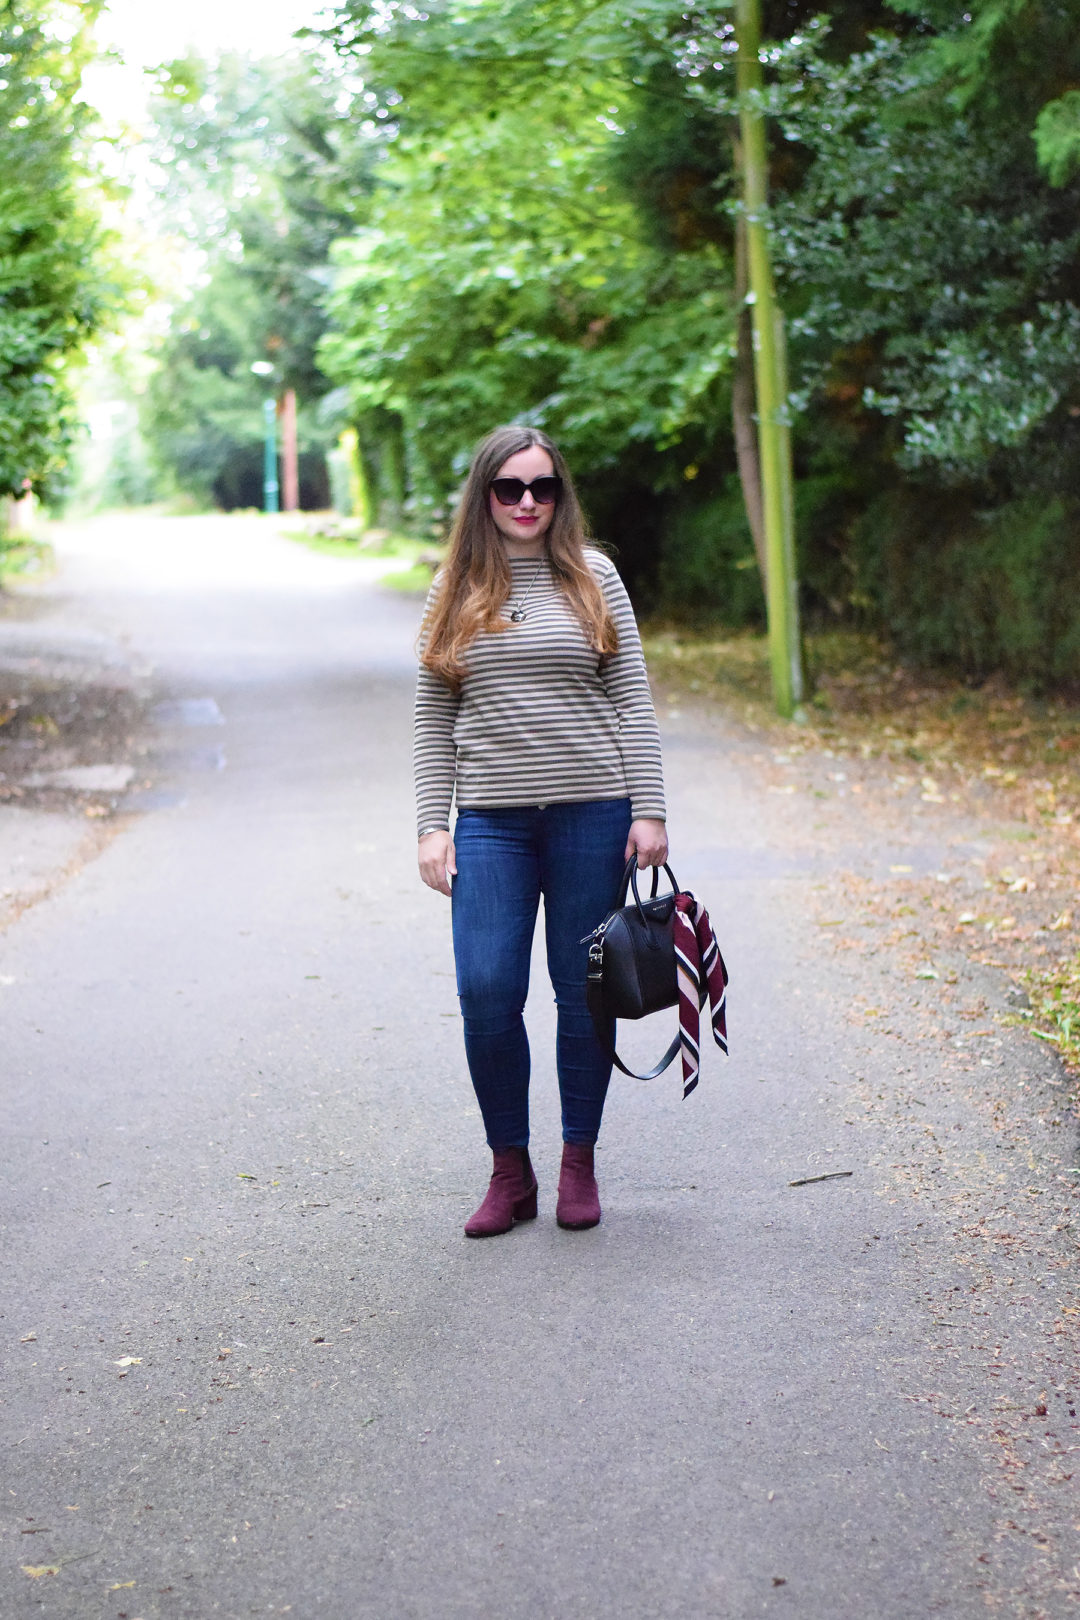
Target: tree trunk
<point>742,402</point>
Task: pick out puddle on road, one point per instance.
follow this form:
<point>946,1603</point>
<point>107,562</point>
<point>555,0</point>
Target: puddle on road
<point>171,760</point>
<point>202,711</point>
<point>155,799</point>
<point>187,759</point>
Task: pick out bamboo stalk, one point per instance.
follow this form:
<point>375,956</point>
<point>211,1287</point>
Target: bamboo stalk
<point>770,374</point>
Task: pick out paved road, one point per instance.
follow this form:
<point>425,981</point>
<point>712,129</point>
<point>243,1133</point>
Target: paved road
<point>251,1365</point>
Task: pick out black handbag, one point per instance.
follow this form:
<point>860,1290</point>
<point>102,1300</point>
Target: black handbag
<point>631,969</point>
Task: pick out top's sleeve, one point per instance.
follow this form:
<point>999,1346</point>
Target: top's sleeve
<point>627,685</point>
<point>434,754</point>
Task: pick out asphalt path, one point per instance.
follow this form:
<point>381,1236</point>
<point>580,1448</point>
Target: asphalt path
<point>250,1363</point>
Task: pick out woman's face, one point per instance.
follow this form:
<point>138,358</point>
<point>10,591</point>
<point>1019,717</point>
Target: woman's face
<point>526,522</point>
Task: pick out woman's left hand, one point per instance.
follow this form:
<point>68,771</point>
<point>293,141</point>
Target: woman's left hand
<point>648,840</point>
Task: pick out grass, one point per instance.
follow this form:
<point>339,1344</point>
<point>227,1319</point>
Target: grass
<point>20,555</point>
<point>413,581</point>
<point>344,537</point>
<point>1055,1003</point>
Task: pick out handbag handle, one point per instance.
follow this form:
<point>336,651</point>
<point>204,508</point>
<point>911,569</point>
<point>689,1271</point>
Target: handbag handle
<point>630,879</point>
<point>631,873</point>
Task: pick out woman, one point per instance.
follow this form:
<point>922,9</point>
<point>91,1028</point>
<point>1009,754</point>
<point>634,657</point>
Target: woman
<point>533,710</point>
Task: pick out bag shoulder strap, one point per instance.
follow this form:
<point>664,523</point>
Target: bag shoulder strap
<point>595,1001</point>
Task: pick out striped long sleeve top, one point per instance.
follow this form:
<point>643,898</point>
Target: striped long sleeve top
<point>540,718</point>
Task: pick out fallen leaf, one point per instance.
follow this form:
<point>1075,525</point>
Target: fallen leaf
<point>128,1361</point>
<point>121,1586</point>
<point>36,1571</point>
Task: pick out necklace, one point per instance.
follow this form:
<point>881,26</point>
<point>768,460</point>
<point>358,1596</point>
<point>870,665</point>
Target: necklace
<point>518,613</point>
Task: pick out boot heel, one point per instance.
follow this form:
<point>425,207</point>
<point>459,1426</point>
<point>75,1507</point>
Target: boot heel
<point>525,1208</point>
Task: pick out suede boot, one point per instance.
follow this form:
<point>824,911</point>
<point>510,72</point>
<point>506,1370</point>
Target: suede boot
<point>579,1197</point>
<point>510,1197</point>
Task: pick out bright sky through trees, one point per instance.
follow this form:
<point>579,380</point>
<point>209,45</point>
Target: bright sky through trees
<point>145,34</point>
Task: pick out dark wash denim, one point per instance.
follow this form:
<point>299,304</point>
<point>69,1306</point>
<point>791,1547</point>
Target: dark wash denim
<point>572,854</point>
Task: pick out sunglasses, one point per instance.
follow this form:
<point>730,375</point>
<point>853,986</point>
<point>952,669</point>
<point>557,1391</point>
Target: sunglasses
<point>509,491</point>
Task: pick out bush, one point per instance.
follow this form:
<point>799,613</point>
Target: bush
<point>978,593</point>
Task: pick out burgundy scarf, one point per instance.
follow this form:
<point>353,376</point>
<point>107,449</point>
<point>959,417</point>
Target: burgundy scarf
<point>699,968</point>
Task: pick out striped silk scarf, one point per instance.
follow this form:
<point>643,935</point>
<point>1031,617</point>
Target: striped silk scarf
<point>700,970</point>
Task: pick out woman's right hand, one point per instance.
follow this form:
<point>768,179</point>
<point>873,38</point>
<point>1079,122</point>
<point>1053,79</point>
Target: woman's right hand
<point>438,860</point>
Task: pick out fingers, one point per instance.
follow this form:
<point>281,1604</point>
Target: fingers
<point>435,878</point>
<point>648,840</point>
<point>437,858</point>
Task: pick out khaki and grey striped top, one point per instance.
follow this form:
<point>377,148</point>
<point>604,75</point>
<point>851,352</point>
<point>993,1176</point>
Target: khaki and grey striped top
<point>540,718</point>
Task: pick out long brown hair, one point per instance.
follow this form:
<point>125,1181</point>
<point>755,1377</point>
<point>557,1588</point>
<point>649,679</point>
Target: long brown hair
<point>476,576</point>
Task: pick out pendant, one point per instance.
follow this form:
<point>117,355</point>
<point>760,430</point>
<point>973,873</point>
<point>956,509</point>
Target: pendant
<point>517,616</point>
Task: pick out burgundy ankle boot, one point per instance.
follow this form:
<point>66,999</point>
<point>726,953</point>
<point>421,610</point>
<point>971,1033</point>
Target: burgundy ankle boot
<point>579,1197</point>
<point>511,1195</point>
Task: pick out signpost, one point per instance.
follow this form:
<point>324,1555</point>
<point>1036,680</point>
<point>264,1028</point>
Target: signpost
<point>264,368</point>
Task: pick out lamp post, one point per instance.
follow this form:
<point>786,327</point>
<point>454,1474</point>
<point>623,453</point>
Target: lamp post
<point>264,368</point>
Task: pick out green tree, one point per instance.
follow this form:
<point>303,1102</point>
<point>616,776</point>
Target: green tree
<point>259,171</point>
<point>503,272</point>
<point>57,286</point>
<point>929,262</point>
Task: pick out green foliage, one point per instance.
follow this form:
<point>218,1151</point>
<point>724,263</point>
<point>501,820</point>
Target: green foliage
<point>1057,138</point>
<point>549,237</point>
<point>979,591</point>
<point>1055,1000</point>
<point>502,276</point>
<point>938,253</point>
<point>709,569</point>
<point>56,289</point>
<point>506,272</point>
<point>261,171</point>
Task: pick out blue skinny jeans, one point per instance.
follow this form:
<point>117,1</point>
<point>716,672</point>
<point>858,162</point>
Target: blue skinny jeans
<point>572,854</point>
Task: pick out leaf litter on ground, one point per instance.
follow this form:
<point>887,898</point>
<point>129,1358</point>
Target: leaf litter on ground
<point>986,749</point>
